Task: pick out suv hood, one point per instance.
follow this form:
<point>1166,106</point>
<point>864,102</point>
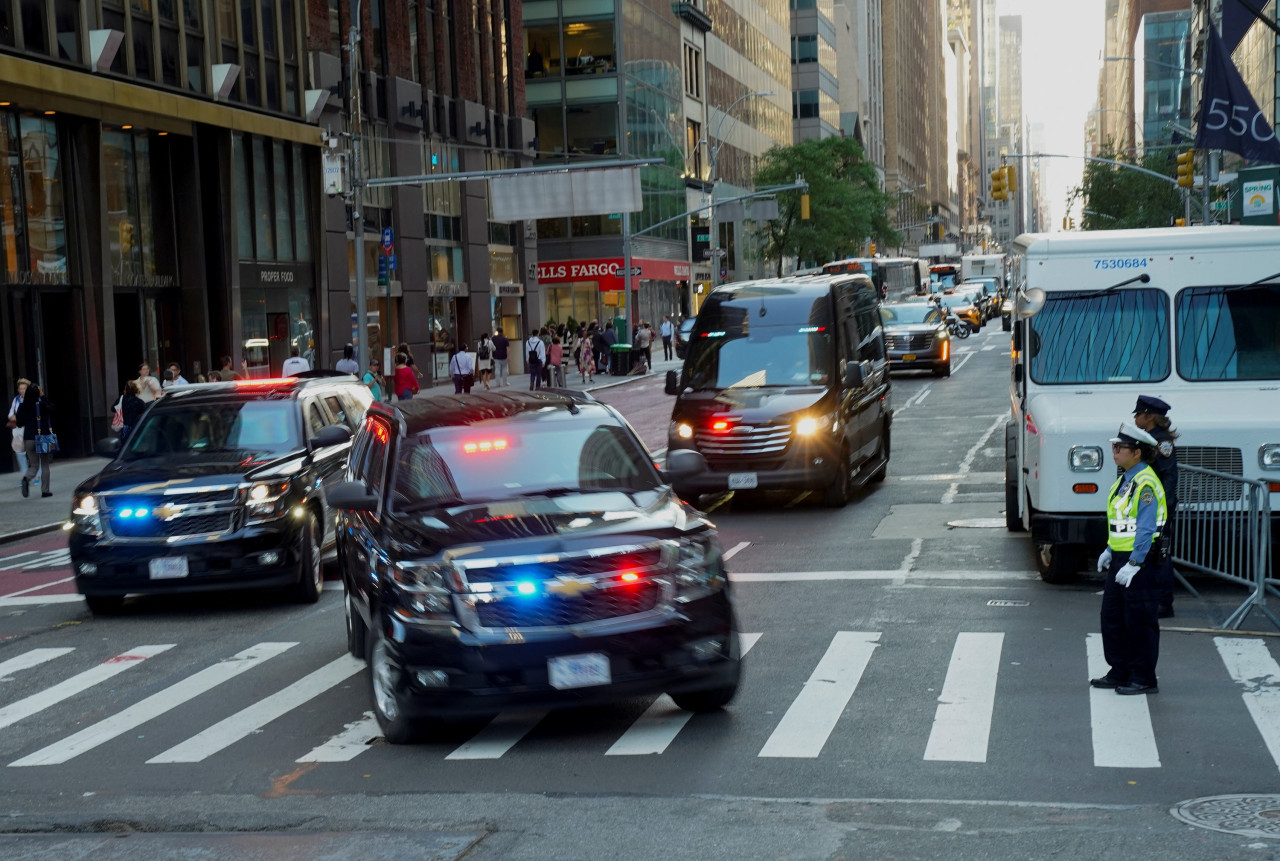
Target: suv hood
<point>207,470</point>
<point>754,406</point>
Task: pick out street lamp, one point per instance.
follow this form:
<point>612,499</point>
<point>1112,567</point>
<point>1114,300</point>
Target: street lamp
<point>712,153</point>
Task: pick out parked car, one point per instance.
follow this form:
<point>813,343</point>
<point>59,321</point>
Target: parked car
<point>520,549</point>
<point>221,486</point>
<point>915,337</point>
<point>683,332</point>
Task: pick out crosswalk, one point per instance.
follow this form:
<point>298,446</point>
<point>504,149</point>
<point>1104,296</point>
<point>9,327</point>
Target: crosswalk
<point>1121,729</point>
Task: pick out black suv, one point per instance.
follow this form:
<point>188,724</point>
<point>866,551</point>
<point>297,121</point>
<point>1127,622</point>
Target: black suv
<point>521,549</point>
<point>220,486</point>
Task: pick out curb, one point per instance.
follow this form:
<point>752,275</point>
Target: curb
<point>8,537</point>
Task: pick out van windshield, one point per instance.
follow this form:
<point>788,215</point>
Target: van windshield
<point>765,356</point>
<point>1229,333</point>
<point>1092,337</point>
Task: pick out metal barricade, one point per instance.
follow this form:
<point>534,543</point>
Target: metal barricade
<point>1223,528</point>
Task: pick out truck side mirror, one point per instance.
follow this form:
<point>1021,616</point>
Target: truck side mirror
<point>673,383</point>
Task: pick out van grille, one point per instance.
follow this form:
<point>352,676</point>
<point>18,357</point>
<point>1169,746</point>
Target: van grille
<point>744,441</point>
<point>1195,488</point>
<point>909,343</point>
<point>1216,458</point>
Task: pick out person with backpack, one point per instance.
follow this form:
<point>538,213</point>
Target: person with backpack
<point>484,360</point>
<point>535,358</point>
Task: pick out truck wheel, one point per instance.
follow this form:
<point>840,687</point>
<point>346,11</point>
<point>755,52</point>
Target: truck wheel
<point>880,474</point>
<point>104,605</point>
<point>705,701</point>
<point>1012,518</point>
<point>386,685</point>
<point>1057,563</point>
<point>310,569</point>
<point>357,630</point>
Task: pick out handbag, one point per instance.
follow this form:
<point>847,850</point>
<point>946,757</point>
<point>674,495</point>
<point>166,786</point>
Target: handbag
<point>117,420</point>
<point>19,443</point>
<point>46,443</point>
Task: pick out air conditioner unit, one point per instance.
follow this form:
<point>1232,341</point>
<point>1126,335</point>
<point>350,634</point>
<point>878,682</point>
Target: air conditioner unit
<point>521,135</point>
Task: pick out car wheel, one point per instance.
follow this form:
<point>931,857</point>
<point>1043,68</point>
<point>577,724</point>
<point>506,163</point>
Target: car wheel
<point>837,492</point>
<point>1012,517</point>
<point>1057,563</point>
<point>943,370</point>
<point>880,474</point>
<point>310,569</point>
<point>386,691</point>
<point>357,630</point>
<point>706,701</point>
<point>104,605</point>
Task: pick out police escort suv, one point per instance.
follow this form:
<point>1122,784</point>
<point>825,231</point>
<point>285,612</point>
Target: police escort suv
<point>219,487</point>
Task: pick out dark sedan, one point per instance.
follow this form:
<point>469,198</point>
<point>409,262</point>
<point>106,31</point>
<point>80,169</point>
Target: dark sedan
<point>683,331</point>
<point>915,337</point>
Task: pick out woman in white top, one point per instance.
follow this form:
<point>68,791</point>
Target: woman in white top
<point>484,359</point>
<point>19,448</point>
<point>148,386</point>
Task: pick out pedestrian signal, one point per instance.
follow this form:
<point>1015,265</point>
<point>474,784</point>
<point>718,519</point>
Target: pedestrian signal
<point>1187,168</point>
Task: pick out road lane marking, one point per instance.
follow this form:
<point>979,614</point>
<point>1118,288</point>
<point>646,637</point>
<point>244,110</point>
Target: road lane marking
<point>348,744</point>
<point>153,706</point>
<point>733,551</point>
<point>964,359</point>
<point>13,556</point>
<point>962,724</point>
<point>1252,666</point>
<point>1122,733</point>
<point>31,600</point>
<point>41,586</point>
<point>499,736</point>
<point>228,731</point>
<point>813,714</point>
<point>915,399</point>
<point>877,574</point>
<point>51,696</point>
<point>967,464</point>
<point>917,545</point>
<point>654,730</point>
<point>33,658</point>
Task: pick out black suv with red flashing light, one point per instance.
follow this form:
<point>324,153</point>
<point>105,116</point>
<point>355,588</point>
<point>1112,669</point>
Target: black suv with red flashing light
<point>521,549</point>
<point>220,486</point>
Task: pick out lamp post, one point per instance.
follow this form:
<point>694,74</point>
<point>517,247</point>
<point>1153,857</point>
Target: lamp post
<point>357,187</point>
<point>712,153</point>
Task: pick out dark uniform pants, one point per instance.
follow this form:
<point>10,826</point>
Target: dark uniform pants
<point>1130,623</point>
<point>1164,571</point>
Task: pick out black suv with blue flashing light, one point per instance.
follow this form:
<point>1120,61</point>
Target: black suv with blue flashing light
<point>521,549</point>
<point>219,487</point>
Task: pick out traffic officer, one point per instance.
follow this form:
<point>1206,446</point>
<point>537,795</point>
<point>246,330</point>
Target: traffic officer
<point>1136,513</point>
<point>1152,415</point>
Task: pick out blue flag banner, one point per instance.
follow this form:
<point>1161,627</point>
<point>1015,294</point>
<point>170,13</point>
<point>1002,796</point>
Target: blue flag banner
<point>1229,117</point>
<point>1236,21</point>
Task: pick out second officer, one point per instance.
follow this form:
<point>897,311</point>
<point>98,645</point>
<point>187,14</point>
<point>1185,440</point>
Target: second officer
<point>1152,415</point>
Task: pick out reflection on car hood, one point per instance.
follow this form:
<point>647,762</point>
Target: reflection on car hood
<point>751,405</point>
<point>209,469</point>
<point>910,328</point>
<point>534,525</point>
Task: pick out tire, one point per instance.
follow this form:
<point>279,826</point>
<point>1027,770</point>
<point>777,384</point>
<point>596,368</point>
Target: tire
<point>962,331</point>
<point>1057,563</point>
<point>1012,518</point>
<point>837,493</point>
<point>880,474</point>
<point>942,370</point>
<point>357,630</point>
<point>706,701</point>
<point>1006,323</point>
<point>310,569</point>
<point>104,605</point>
<point>386,692</point>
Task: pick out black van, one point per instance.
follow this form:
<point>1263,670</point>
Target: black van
<point>785,385</point>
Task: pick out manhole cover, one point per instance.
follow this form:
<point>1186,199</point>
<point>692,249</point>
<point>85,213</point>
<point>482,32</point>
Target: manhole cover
<point>1007,602</point>
<point>1246,815</point>
<point>977,523</point>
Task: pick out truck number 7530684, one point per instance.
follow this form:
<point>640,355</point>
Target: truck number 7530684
<point>1119,262</point>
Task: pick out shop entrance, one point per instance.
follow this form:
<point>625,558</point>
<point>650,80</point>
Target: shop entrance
<point>46,328</point>
<point>148,328</point>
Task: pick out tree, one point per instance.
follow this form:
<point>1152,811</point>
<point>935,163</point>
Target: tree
<point>846,205</point>
<point>1118,197</point>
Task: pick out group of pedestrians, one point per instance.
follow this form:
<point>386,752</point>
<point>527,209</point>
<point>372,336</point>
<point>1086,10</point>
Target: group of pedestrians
<point>1139,574</point>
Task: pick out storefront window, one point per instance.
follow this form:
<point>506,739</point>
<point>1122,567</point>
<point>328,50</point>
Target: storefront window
<point>284,220</point>
<point>244,210</point>
<point>46,227</point>
<point>265,236</point>
<point>10,206</point>
<point>301,212</point>
<point>577,302</point>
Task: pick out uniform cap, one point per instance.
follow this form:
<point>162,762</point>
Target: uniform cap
<point>1148,404</point>
<point>1132,435</point>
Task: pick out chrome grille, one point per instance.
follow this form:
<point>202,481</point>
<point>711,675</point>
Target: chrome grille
<point>1194,487</point>
<point>610,564</point>
<point>744,440</point>
<point>170,515</point>
<point>908,343</point>
<point>546,612</point>
<point>1218,459</point>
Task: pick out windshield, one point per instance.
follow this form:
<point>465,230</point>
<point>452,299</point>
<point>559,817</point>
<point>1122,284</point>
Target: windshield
<point>237,429</point>
<point>764,356</point>
<point>900,315</point>
<point>1229,334</point>
<point>1092,337</point>
<point>525,456</point>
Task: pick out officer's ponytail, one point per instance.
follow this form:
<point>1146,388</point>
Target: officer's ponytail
<point>1165,425</point>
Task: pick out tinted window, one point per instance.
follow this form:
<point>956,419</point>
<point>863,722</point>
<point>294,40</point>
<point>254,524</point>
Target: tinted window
<point>235,429</point>
<point>1092,337</point>
<point>915,313</point>
<point>316,419</point>
<point>762,356</point>
<point>1226,334</point>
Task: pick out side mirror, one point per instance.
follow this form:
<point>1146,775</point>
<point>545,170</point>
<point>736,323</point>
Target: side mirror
<point>351,496</point>
<point>329,436</point>
<point>673,383</point>
<point>107,447</point>
<point>684,463</point>
<point>1018,373</point>
<point>854,375</point>
<point>1028,303</point>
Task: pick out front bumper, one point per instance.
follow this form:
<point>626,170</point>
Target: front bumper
<point>485,677</point>
<point>930,358</point>
<point>805,465</point>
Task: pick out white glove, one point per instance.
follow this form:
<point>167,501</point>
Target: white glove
<point>1126,573</point>
<point>1104,561</point>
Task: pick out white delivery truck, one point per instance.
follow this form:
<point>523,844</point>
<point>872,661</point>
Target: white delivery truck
<point>981,266</point>
<point>1190,315</point>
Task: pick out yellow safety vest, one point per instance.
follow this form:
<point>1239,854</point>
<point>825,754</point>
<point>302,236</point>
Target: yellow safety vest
<point>1122,509</point>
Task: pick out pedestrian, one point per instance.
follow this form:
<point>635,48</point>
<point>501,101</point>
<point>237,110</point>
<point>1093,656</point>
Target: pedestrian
<point>535,357</point>
<point>35,416</point>
<point>148,386</point>
<point>1136,514</point>
<point>413,366</point>
<point>586,360</point>
<point>1152,415</point>
<point>294,365</point>
<point>131,408</point>
<point>545,334</point>
<point>484,360</point>
<point>215,376</point>
<point>347,364</point>
<point>178,379</point>
<point>501,364</point>
<point>643,346</point>
<point>227,373</point>
<point>667,330</point>
<point>555,361</point>
<point>373,379</point>
<point>19,443</point>
<point>462,367</point>
<point>406,382</point>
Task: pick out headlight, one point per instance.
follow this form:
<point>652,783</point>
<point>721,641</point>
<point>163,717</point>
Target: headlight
<point>682,430</point>
<point>810,425</point>
<point>86,506</point>
<point>699,570</point>
<point>1085,458</point>
<point>266,500</point>
<point>86,516</point>
<point>425,588</point>
<point>1269,456</point>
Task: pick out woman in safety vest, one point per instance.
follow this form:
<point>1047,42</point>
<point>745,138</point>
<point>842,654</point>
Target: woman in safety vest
<point>1136,513</point>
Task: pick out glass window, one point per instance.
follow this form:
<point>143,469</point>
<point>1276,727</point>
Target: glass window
<point>302,222</point>
<point>142,65</point>
<point>271,76</point>
<point>804,49</point>
<point>1227,333</point>
<point>248,33</point>
<point>588,48</point>
<point>195,64</point>
<point>6,25</point>
<point>541,51</point>
<point>264,234</point>
<point>284,220</point>
<point>751,356</point>
<point>167,10</point>
<point>191,15</point>
<point>244,208</point>
<point>46,226</point>
<point>169,56</point>
<point>259,429</point>
<point>1073,338</point>
<point>593,129</point>
<point>33,32</point>
<point>10,202</point>
<point>140,8</point>
<point>288,44</point>
<point>249,76</point>
<point>67,17</point>
<point>269,27</point>
<point>291,89</point>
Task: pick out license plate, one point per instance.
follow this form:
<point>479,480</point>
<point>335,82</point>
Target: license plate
<point>168,568</point>
<point>909,357</point>
<point>579,671</point>
<point>742,480</point>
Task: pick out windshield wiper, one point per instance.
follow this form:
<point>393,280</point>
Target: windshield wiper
<point>567,490</point>
<point>1144,278</point>
<point>1236,288</point>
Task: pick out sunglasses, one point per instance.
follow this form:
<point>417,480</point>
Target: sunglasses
<point>1116,446</point>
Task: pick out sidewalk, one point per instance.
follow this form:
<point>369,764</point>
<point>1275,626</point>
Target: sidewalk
<point>21,518</point>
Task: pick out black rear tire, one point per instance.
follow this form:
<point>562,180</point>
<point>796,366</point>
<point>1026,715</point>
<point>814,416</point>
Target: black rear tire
<point>310,568</point>
<point>104,605</point>
<point>1012,518</point>
<point>1058,563</point>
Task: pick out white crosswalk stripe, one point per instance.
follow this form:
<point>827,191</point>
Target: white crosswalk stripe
<point>153,706</point>
<point>962,726</point>
<point>38,702</point>
<point>27,660</point>
<point>1122,732</point>
<point>813,715</point>
<point>348,744</point>
<point>499,736</point>
<point>1252,666</point>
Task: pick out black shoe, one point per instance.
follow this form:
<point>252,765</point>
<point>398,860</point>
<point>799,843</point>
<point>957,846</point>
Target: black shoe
<point>1130,690</point>
<point>1165,612</point>
<point>47,494</point>
<point>1105,682</point>
<point>26,486</point>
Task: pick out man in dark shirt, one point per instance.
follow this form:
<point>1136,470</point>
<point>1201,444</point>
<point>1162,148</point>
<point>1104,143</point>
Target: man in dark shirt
<point>500,365</point>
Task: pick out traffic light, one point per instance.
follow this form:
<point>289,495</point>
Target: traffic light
<point>1187,168</point>
<point>999,191</point>
<point>1179,222</point>
<point>804,207</point>
<point>126,237</point>
<point>873,249</point>
<point>1010,179</point>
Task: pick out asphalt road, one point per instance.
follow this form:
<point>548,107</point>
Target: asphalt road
<point>912,690</point>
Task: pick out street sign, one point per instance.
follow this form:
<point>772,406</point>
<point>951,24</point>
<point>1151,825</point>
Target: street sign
<point>391,261</point>
<point>386,239</point>
<point>382,266</point>
<point>634,271</point>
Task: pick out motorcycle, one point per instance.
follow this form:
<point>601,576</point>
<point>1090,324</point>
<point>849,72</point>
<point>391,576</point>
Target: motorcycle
<point>955,326</point>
